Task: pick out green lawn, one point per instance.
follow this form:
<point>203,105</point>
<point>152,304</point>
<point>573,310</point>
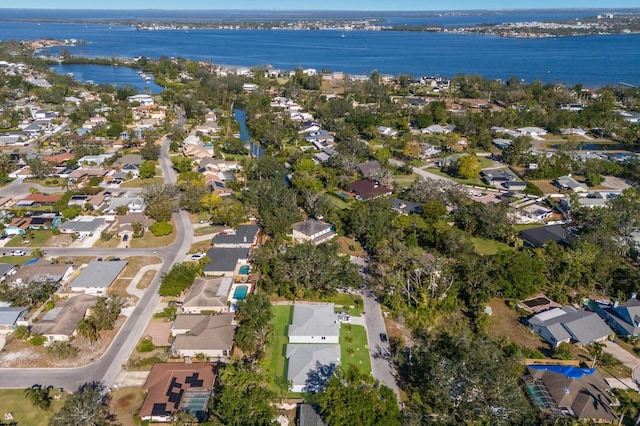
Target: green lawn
<point>36,238</point>
<point>24,413</point>
<point>276,350</point>
<point>486,247</point>
<point>16,260</point>
<point>141,183</point>
<point>524,226</point>
<point>405,181</point>
<point>353,350</point>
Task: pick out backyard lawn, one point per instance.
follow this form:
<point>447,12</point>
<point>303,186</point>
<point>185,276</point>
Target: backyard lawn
<point>485,247</point>
<point>141,183</point>
<point>276,350</point>
<point>353,348</point>
<point>24,413</point>
<point>15,260</point>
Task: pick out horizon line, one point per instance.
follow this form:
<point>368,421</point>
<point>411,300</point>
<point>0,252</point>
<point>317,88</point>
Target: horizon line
<point>331,10</point>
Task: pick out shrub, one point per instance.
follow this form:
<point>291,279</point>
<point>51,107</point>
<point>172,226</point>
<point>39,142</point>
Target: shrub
<point>37,340</point>
<point>161,228</point>
<point>48,306</point>
<point>146,345</point>
<point>21,332</point>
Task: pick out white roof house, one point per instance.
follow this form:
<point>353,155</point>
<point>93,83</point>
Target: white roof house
<point>97,277</point>
<point>314,324</point>
<point>82,226</point>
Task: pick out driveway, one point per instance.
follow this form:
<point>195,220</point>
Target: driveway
<point>423,173</point>
<point>629,360</point>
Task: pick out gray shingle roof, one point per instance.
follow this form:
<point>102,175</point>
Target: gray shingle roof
<point>225,259</point>
<point>245,234</point>
<point>9,315</point>
<point>6,267</point>
<point>311,365</point>
<point>210,332</point>
<point>568,322</point>
<point>98,275</point>
<point>91,225</point>
<point>314,320</point>
<point>208,292</point>
<point>311,227</point>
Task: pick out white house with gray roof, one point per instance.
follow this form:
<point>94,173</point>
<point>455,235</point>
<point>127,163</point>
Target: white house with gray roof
<point>313,231</point>
<point>314,324</point>
<point>569,324</point>
<point>97,277</point>
<point>245,236</point>
<point>310,366</point>
<point>82,226</point>
<point>11,317</point>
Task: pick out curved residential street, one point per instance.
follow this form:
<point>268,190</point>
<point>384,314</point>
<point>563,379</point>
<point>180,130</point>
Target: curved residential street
<point>108,367</point>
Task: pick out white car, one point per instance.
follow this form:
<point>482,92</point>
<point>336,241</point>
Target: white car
<point>18,253</point>
<point>197,256</point>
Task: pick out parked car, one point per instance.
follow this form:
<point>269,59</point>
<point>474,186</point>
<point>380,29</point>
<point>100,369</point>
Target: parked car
<point>197,256</point>
<point>383,337</point>
<point>81,237</point>
<point>125,238</point>
<point>18,253</point>
<point>115,259</point>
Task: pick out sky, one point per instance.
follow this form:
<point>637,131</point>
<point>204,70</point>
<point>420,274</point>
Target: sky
<point>368,5</point>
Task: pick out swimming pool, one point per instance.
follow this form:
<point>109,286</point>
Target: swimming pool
<point>244,270</point>
<point>240,292</point>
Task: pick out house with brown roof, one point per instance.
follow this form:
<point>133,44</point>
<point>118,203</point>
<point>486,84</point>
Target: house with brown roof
<point>41,271</point>
<point>174,387</point>
<point>39,200</point>
<point>211,335</point>
<point>59,159</point>
<point>367,189</point>
<point>59,324</point>
<point>567,391</point>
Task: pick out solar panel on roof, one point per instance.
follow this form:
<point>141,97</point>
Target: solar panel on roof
<point>159,409</point>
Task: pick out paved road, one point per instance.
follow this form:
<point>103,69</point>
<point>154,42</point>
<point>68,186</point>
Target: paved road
<point>380,351</point>
<point>108,367</point>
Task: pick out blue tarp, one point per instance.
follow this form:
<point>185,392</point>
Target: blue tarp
<point>566,370</point>
<point>30,262</point>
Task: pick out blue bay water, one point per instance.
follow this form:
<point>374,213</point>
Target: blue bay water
<point>590,60</point>
<point>120,76</point>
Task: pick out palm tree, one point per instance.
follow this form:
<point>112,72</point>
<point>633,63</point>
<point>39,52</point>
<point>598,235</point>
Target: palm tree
<point>39,396</point>
<point>627,405</point>
<point>88,329</point>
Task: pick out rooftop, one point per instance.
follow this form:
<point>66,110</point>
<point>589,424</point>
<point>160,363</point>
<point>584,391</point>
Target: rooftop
<point>98,274</point>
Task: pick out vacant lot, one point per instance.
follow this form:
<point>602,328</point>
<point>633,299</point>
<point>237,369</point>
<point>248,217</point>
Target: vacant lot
<point>505,322</point>
<point>485,247</point>
<point>148,240</point>
<point>24,413</point>
<point>125,402</point>
<point>30,239</point>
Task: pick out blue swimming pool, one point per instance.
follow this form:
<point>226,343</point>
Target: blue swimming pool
<point>240,292</point>
<point>244,270</point>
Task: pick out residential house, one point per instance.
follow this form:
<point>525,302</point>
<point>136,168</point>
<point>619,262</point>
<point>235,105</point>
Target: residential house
<point>211,335</point>
<point>59,324</point>
<point>404,207</point>
<point>142,99</point>
<point>497,177</point>
<point>6,270</point>
<point>569,183</point>
<point>224,261</point>
<point>82,226</point>
<point>33,200</point>
<point>313,231</point>
<point>567,391</point>
<point>207,294</point>
<point>367,189</point>
<point>624,318</point>
<point>569,324</point>
<point>175,387</point>
<point>314,324</point>
<point>531,131</point>
<point>427,150</point>
<point>134,203</point>
<point>308,415</point>
<point>369,168</point>
<point>502,143</point>
<point>387,131</point>
<point>41,271</point>
<point>541,236</point>
<point>245,236</point>
<point>11,317</point>
<point>97,276</point>
<point>310,366</point>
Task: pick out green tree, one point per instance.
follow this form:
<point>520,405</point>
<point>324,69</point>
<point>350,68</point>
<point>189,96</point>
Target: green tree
<point>181,164</point>
<point>148,169</point>
<point>254,329</point>
<point>150,151</point>
<point>160,201</point>
<point>467,166</point>
<point>21,332</point>
<point>88,406</point>
<point>159,229</point>
<point>39,396</point>
<point>244,396</point>
<point>40,169</point>
<point>177,279</point>
<point>352,398</point>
